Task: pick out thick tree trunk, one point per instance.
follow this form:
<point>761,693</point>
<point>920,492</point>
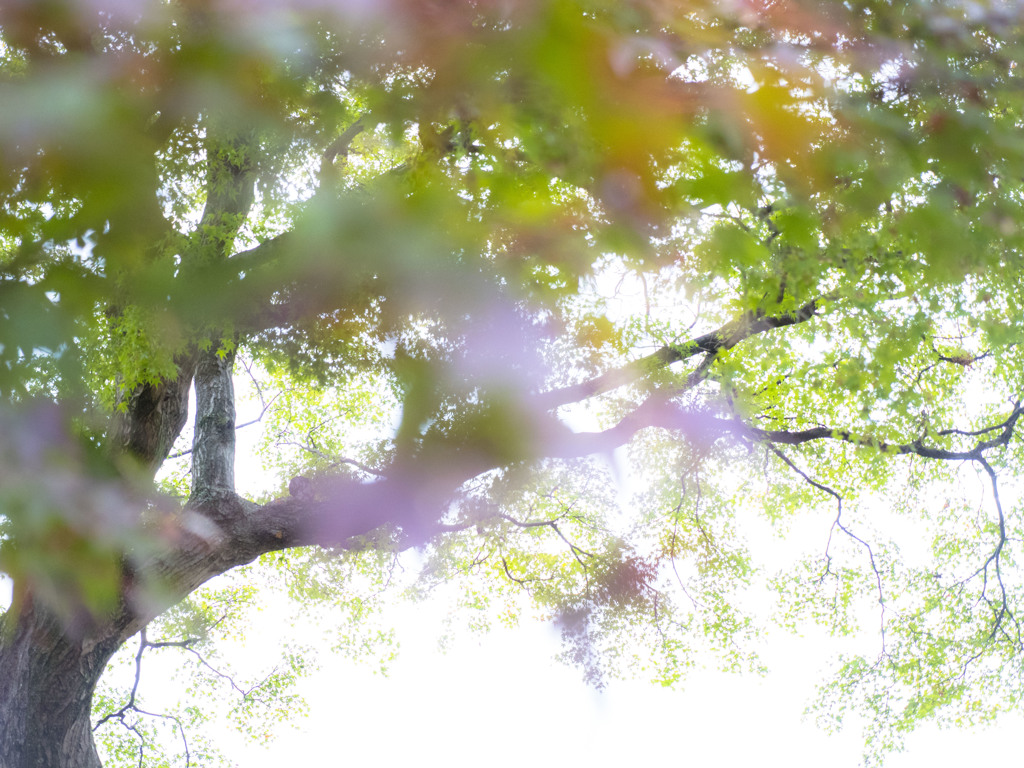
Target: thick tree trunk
<point>48,669</point>
<point>48,678</point>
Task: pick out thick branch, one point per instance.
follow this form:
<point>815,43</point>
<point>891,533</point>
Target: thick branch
<point>726,337</point>
<point>699,426</point>
<point>706,427</point>
<point>339,147</point>
<point>916,447</point>
<point>213,449</point>
<point>150,417</point>
<point>230,192</point>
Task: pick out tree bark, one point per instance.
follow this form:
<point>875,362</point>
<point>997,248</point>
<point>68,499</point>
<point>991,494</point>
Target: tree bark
<point>213,447</point>
<point>151,417</point>
<point>49,675</point>
<point>49,669</point>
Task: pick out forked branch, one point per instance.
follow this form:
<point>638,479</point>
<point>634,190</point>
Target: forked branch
<point>729,335</point>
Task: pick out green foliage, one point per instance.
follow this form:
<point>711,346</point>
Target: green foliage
<point>202,640</point>
<point>795,231</point>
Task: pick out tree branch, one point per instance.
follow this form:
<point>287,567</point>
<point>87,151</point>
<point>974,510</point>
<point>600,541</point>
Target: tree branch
<point>726,337</point>
<point>150,418</point>
<point>916,447</point>
<point>213,449</point>
<point>131,706</point>
<point>340,146</point>
<point>837,523</point>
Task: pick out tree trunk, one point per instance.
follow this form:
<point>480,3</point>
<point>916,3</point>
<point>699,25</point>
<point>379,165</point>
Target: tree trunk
<point>213,448</point>
<point>46,691</point>
<point>48,669</point>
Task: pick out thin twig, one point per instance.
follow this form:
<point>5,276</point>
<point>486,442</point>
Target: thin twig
<point>837,523</point>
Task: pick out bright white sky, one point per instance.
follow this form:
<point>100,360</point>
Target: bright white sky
<point>501,700</point>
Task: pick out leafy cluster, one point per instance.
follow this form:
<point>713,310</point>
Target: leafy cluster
<point>594,302</point>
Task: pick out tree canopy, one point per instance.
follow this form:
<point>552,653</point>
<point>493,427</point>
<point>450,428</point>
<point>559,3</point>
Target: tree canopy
<point>476,267</point>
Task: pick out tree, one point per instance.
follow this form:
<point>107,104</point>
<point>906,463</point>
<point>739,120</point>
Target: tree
<point>404,220</point>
